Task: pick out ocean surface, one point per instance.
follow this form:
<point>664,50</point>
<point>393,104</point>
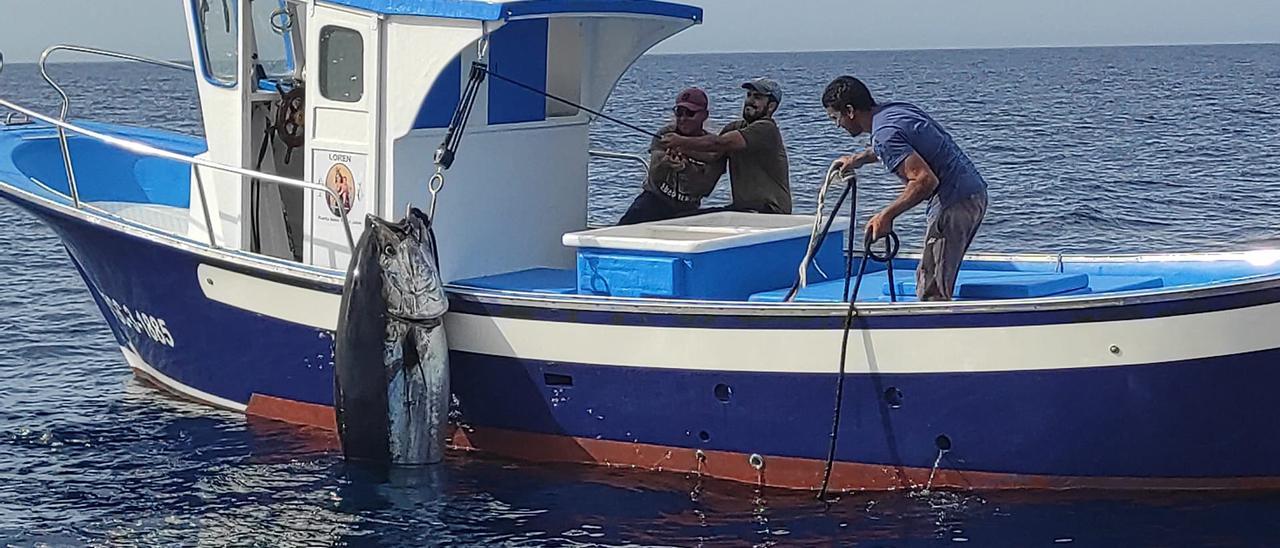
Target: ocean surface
<point>1121,150</point>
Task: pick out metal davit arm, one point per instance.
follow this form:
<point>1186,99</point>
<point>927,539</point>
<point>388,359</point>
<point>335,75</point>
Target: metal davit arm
<point>148,150</point>
<point>66,101</point>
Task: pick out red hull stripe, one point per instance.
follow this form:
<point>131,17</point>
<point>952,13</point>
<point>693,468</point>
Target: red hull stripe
<point>309,414</point>
<point>804,474</point>
<point>774,471</point>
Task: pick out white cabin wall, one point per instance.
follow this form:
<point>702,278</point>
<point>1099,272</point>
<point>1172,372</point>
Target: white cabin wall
<point>612,45</point>
<point>511,195</point>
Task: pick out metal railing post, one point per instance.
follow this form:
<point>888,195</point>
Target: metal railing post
<point>204,204</point>
<point>66,100</point>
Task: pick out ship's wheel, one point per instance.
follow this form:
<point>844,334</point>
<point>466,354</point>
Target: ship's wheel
<point>291,119</point>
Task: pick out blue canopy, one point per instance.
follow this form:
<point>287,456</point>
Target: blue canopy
<point>496,11</point>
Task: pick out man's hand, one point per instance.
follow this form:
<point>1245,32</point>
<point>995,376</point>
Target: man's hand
<point>880,225</point>
<point>848,163</point>
<point>676,160</point>
<point>672,141</point>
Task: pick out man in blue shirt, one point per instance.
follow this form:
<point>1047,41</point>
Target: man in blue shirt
<point>921,152</point>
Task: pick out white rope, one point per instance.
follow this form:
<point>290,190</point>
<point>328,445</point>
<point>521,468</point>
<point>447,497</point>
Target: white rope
<point>833,174</point>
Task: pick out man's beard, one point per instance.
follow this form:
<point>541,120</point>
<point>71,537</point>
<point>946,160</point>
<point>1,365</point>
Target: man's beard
<point>748,117</point>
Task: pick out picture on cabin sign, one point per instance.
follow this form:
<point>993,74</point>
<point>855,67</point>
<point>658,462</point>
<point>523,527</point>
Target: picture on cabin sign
<point>340,181</point>
<point>343,173</point>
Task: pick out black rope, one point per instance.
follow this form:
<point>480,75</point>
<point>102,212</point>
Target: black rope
<point>255,232</point>
<point>458,124</point>
<point>891,246</point>
<point>567,102</point>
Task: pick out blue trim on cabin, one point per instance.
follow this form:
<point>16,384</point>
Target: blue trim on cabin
<point>485,11</point>
<point>437,109</point>
<point>518,51</point>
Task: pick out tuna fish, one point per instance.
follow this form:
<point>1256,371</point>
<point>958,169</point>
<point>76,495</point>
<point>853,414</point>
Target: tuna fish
<point>391,360</point>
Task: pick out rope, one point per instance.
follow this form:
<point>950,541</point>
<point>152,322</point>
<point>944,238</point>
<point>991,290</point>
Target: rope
<point>458,124</point>
<point>565,101</point>
<point>891,246</point>
<point>819,235</point>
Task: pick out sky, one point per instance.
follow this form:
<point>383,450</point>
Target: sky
<point>155,28</point>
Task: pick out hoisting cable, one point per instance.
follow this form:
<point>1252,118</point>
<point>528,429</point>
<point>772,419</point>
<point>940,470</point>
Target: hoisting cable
<point>458,123</point>
<point>891,245</point>
<point>448,149</point>
<point>567,102</point>
<point>578,106</point>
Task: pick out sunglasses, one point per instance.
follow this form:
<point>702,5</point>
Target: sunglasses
<point>686,113</point>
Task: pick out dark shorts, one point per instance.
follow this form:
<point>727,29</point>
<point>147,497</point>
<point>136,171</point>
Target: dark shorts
<point>649,206</point>
<point>946,240</point>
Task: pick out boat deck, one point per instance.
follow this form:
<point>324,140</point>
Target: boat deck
<point>978,280</point>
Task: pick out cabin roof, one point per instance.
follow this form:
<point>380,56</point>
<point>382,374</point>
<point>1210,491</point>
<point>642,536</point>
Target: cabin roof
<point>497,10</point>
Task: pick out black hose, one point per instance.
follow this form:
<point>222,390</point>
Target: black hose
<point>891,246</point>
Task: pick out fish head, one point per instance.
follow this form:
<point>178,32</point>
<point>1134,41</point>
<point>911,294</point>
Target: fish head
<point>411,284</point>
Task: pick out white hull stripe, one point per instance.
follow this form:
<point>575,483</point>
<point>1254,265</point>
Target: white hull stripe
<point>281,301</point>
<point>136,362</point>
<point>950,350</point>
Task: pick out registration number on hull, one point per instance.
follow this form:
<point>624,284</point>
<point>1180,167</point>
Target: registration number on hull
<point>141,322</point>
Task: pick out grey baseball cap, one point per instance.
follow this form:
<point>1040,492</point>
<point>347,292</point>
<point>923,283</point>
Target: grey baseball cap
<point>765,86</point>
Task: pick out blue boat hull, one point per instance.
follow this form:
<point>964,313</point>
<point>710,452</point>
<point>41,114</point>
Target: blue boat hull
<point>1202,423</point>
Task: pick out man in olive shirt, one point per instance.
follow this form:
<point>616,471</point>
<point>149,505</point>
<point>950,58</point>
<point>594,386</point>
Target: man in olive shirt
<point>758,171</point>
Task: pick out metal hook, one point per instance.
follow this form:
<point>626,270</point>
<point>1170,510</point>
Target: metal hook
<point>285,23</point>
<point>435,186</point>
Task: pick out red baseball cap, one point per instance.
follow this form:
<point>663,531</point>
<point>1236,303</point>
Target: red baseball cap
<point>693,99</point>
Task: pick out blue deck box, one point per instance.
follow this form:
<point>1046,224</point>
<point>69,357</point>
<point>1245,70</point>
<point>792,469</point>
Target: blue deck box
<point>717,256</point>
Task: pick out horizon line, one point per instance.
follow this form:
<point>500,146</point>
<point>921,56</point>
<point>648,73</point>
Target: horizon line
<point>867,50</point>
<point>973,48</point>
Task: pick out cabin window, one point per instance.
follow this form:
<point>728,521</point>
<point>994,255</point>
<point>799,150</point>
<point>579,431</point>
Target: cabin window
<point>341,64</point>
<point>271,25</point>
<point>220,39</point>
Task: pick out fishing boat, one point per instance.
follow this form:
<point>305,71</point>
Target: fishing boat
<point>219,265</point>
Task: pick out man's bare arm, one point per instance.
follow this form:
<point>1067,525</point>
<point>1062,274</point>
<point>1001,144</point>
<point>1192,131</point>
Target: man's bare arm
<point>720,144</point>
<point>921,184</point>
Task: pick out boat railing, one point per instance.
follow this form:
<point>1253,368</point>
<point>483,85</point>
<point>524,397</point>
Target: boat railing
<point>610,155</point>
<point>16,119</point>
<point>144,149</point>
<point>66,100</point>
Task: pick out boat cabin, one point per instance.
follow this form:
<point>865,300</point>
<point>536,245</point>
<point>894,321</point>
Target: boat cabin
<point>358,95</point>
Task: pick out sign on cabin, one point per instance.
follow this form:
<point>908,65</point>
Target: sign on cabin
<point>346,174</point>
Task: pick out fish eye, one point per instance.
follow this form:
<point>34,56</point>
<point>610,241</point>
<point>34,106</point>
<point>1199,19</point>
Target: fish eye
<point>389,250</point>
